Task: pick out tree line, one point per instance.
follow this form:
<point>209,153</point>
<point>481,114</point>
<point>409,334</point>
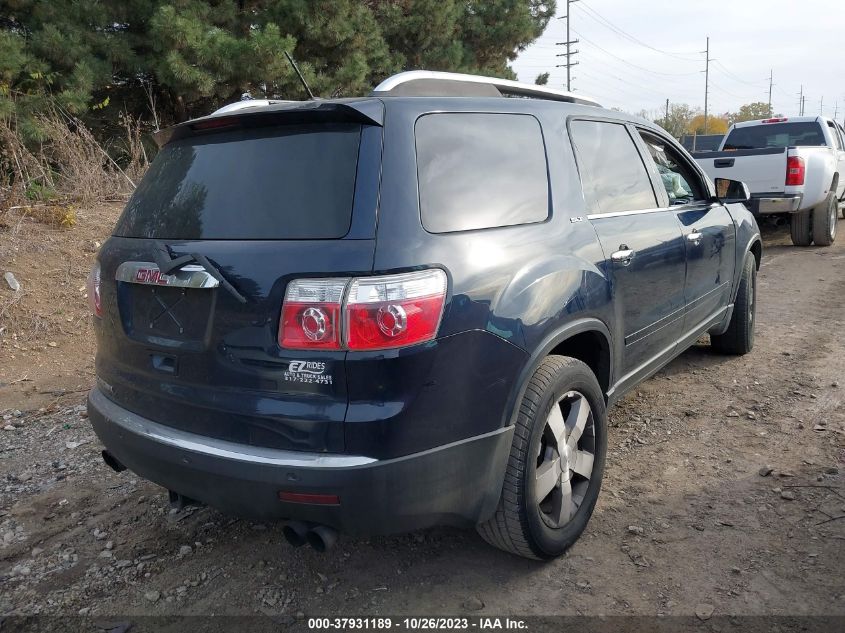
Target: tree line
<point>681,119</point>
<point>170,60</point>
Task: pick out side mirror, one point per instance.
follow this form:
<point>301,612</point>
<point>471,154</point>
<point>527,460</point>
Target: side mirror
<point>728,190</point>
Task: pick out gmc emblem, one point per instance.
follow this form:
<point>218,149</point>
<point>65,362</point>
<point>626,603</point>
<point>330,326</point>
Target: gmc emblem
<point>152,276</point>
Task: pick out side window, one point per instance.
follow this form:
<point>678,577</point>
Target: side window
<point>680,180</point>
<point>613,175</point>
<point>479,171</point>
<point>834,133</point>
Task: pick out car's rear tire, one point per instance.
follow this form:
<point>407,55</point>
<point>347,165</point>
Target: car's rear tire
<point>738,339</point>
<point>799,228</point>
<point>556,463</point>
<point>824,221</point>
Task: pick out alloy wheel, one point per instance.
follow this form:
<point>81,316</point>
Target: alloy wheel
<point>565,459</point>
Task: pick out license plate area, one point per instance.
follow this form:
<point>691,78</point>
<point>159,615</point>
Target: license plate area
<point>166,310</point>
<point>169,317</point>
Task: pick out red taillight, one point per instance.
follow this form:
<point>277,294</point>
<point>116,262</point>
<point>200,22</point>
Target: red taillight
<point>311,314</point>
<point>794,171</point>
<point>378,312</point>
<point>95,302</point>
<point>394,310</point>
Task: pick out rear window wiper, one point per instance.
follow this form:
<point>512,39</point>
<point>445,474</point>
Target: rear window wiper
<point>167,264</point>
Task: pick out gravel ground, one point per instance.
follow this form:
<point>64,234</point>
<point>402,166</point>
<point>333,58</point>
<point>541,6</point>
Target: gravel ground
<point>724,495</point>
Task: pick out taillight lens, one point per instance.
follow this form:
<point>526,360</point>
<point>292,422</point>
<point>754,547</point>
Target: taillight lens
<point>311,314</point>
<point>394,310</point>
<point>92,286</point>
<point>795,171</point>
<point>378,312</point>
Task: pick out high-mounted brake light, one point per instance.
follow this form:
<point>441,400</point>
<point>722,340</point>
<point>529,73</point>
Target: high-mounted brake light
<point>377,313</point>
<point>795,171</point>
<point>216,123</point>
<point>92,286</point>
<point>776,120</point>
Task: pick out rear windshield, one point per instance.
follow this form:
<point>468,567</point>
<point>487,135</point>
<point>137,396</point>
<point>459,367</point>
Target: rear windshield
<point>775,135</point>
<point>285,182</point>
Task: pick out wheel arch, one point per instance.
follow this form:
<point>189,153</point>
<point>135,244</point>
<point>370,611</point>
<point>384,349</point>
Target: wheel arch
<point>756,249</point>
<point>587,339</point>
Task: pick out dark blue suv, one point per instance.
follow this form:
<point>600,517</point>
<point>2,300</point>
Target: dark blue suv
<point>379,314</point>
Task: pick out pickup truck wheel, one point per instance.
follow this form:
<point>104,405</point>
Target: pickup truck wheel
<point>556,463</point>
<point>739,337</point>
<point>824,221</point>
<point>799,228</point>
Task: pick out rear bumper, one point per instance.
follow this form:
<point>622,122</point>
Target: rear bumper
<point>769,205</point>
<point>455,484</point>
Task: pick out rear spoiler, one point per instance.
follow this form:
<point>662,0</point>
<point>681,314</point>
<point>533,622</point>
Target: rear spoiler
<point>365,112</point>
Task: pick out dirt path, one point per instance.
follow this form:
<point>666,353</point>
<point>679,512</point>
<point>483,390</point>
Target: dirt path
<point>685,518</point>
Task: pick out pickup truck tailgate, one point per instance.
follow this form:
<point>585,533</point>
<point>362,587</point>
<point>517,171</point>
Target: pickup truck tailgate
<point>763,170</point>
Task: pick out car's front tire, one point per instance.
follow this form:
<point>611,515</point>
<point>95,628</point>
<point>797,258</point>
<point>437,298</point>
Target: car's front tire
<point>556,463</point>
<point>824,221</point>
<point>738,339</point>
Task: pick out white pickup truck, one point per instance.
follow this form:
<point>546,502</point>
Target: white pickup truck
<point>792,166</point>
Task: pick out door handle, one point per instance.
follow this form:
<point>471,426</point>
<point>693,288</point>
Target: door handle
<point>694,237</point>
<point>623,256</point>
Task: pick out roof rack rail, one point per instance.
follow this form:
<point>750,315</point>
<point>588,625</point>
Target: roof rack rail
<point>429,83</point>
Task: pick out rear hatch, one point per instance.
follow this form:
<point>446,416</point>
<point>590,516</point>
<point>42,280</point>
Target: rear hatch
<point>193,279</point>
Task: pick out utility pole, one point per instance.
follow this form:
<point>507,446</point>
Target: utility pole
<point>771,76</point>
<point>706,81</point>
<point>801,101</point>
<point>821,106</point>
<point>836,111</point>
<point>568,43</point>
<point>666,118</point>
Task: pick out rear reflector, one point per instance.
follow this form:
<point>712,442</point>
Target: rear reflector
<point>305,497</point>
<point>795,171</point>
<point>377,313</point>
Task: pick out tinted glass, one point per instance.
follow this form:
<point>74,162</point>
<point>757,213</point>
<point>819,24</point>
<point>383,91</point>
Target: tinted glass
<point>681,182</point>
<point>775,135</point>
<point>612,173</point>
<point>480,171</point>
<point>288,182</point>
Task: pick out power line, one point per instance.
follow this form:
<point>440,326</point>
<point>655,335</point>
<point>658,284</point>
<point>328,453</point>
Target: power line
<point>595,15</point>
<point>625,61</point>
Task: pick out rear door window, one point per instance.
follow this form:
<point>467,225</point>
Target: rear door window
<point>775,135</point>
<point>613,174</point>
<point>479,171</point>
<point>282,182</point>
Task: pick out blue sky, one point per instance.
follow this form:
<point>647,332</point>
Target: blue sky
<point>800,41</point>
